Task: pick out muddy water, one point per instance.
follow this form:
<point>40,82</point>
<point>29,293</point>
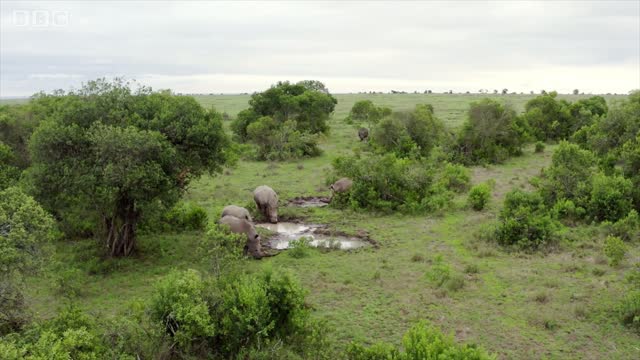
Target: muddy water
<point>286,232</point>
<point>309,202</point>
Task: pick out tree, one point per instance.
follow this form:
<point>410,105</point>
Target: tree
<point>576,92</point>
<point>548,117</point>
<point>505,91</point>
<point>24,230</point>
<point>305,103</point>
<point>365,111</point>
<point>109,153</point>
<point>491,133</point>
<point>8,173</point>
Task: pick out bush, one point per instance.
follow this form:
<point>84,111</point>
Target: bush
<point>222,249</point>
<point>391,136</point>
<point>299,248</point>
<point>524,221</point>
<point>185,216</point>
<point>281,141</point>
<point>387,183</point>
<point>491,134</point>
<point>539,147</point>
<point>615,250</point>
<point>422,341</point>
<point>479,196</point>
<point>569,175</point>
<point>365,111</point>
<point>610,198</point>
<point>629,310</point>
<point>566,211</point>
<point>9,174</point>
<point>628,228</point>
<point>549,118</point>
<point>455,177</point>
<point>179,304</point>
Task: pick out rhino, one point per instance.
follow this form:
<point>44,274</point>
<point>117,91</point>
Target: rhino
<point>242,226</point>
<point>267,201</point>
<point>341,186</point>
<point>237,211</point>
<point>363,133</point>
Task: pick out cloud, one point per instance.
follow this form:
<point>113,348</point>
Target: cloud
<point>245,46</point>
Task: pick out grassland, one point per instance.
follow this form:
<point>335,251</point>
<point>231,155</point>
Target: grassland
<point>556,305</point>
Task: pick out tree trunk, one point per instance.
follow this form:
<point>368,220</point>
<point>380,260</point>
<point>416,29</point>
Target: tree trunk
<point>120,229</point>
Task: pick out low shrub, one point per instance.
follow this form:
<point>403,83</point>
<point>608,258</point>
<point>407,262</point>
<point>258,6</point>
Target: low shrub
<point>611,198</point>
<point>567,212</point>
<point>299,248</point>
<point>422,341</point>
<point>185,216</point>
<point>388,183</point>
<point>629,310</point>
<point>524,221</point>
<point>179,304</point>
<point>627,228</point>
<point>479,196</point>
<point>455,177</point>
<point>614,249</point>
<point>281,141</point>
<point>68,282</point>
<point>539,147</point>
<point>221,249</point>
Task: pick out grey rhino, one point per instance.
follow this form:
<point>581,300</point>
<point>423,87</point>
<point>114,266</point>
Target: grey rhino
<point>237,211</point>
<point>341,186</point>
<point>363,133</point>
<point>267,201</point>
<point>242,226</point>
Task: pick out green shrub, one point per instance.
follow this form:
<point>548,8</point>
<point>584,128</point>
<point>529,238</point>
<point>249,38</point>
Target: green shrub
<point>566,211</point>
<point>9,173</point>
<point>455,177</point>
<point>628,228</point>
<point>221,249</point>
<point>479,196</point>
<point>614,249</point>
<point>179,304</point>
<point>68,282</point>
<point>524,221</point>
<point>439,272</point>
<point>491,134</point>
<point>422,341</point>
<point>629,310</point>
<point>539,147</point>
<point>388,183</point>
<point>569,176</point>
<point>299,248</point>
<point>185,216</point>
<point>549,118</point>
<point>610,198</point>
<point>391,136</point>
<point>281,141</point>
<point>366,112</point>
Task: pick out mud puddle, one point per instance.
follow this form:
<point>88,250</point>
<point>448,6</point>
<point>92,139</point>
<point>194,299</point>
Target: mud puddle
<point>310,201</point>
<point>318,236</point>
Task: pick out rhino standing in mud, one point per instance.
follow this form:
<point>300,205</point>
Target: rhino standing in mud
<point>237,211</point>
<point>341,186</point>
<point>267,201</point>
<point>242,226</point>
<point>363,134</point>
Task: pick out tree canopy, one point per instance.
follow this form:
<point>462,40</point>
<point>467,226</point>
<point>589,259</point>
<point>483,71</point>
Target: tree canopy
<point>108,152</point>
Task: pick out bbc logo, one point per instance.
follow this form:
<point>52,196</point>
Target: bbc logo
<point>41,18</point>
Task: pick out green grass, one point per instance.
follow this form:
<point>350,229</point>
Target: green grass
<point>517,305</point>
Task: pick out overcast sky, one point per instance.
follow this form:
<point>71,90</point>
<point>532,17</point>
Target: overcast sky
<point>206,46</point>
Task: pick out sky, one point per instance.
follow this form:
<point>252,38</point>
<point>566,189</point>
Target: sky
<point>234,47</point>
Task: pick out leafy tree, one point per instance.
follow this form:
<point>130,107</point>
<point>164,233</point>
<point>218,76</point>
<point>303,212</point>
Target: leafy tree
<point>281,142</point>
<point>391,135</point>
<point>365,111</point>
<point>302,103</point>
<point>491,134</point>
<point>314,85</point>
<point>25,228</point>
<point>108,153</point>
<point>17,123</point>
<point>8,173</point>
<point>569,175</point>
<point>548,117</point>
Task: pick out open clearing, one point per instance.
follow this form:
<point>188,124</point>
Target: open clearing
<point>554,305</point>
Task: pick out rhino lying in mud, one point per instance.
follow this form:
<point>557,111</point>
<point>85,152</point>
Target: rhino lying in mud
<point>267,201</point>
<point>237,211</point>
<point>363,133</point>
<point>242,226</point>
